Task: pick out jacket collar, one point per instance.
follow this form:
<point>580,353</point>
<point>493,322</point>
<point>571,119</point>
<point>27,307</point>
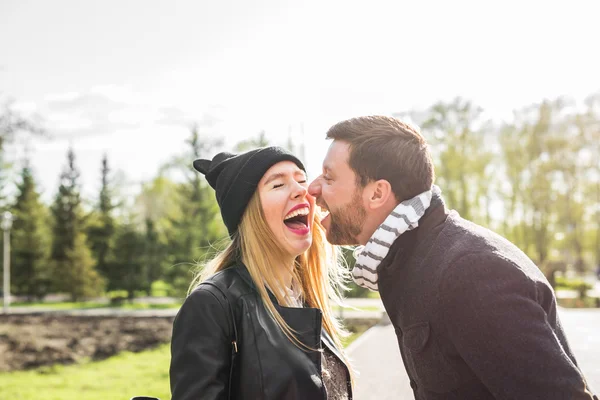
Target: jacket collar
<point>245,275</point>
<point>431,219</point>
<point>328,341</point>
<point>405,244</point>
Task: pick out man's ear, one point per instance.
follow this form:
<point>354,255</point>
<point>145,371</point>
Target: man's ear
<point>379,194</point>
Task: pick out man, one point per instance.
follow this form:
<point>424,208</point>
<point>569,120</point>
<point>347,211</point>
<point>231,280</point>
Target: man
<point>474,317</point>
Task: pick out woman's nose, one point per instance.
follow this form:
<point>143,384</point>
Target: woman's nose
<point>299,191</point>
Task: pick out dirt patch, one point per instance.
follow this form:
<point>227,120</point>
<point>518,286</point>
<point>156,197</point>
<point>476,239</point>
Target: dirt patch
<point>30,341</point>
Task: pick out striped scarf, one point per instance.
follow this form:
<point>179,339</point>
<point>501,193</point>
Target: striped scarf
<point>405,217</point>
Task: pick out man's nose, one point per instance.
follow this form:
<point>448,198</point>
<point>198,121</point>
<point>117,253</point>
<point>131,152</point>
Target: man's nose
<point>314,189</point>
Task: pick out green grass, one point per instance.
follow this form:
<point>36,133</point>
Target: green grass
<point>63,305</point>
<point>119,377</point>
<point>350,338</point>
<point>373,295</point>
<point>586,302</point>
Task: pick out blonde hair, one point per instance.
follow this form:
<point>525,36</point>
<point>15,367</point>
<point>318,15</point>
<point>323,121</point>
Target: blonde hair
<point>317,271</point>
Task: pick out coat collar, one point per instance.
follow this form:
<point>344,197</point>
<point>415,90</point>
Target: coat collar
<point>405,244</point>
<point>245,275</point>
<point>325,338</point>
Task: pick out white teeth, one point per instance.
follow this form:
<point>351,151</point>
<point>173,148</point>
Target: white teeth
<point>302,211</point>
<point>323,209</point>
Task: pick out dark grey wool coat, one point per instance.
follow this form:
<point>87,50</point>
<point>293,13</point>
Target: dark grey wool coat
<point>475,318</point>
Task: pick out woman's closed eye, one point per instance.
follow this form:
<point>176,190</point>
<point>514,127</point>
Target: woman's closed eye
<point>278,185</point>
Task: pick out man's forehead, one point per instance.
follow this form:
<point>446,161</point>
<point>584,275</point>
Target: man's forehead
<point>337,156</point>
<point>328,165</point>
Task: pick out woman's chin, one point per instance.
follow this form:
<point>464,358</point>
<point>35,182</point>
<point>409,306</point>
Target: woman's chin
<point>299,247</point>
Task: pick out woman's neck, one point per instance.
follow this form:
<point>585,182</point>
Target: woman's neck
<point>287,273</point>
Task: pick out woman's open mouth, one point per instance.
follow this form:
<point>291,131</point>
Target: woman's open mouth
<point>297,220</point>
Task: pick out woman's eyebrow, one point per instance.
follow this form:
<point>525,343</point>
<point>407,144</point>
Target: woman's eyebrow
<point>272,177</point>
<point>278,175</point>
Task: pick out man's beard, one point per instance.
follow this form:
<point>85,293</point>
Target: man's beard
<point>347,222</point>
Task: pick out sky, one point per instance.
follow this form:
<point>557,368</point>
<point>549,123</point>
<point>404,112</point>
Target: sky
<point>128,78</point>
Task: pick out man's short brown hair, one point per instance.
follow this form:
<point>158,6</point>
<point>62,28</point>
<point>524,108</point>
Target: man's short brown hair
<point>387,148</point>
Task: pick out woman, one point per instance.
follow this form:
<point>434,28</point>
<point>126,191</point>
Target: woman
<point>258,322</point>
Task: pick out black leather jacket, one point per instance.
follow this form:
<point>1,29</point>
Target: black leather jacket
<point>267,365</point>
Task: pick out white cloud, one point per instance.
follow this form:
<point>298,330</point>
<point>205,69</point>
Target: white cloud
<point>138,135</point>
<point>105,109</point>
<point>119,94</point>
<point>60,97</point>
<point>64,122</point>
<point>25,107</point>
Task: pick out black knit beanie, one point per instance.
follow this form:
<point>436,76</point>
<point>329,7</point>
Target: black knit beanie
<point>236,176</point>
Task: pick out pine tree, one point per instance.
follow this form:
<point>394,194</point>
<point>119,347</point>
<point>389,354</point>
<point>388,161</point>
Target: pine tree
<point>66,211</point>
<point>72,263</point>
<point>102,228</point>
<point>154,250</point>
<point>128,269</point>
<point>30,241</point>
<point>78,275</point>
